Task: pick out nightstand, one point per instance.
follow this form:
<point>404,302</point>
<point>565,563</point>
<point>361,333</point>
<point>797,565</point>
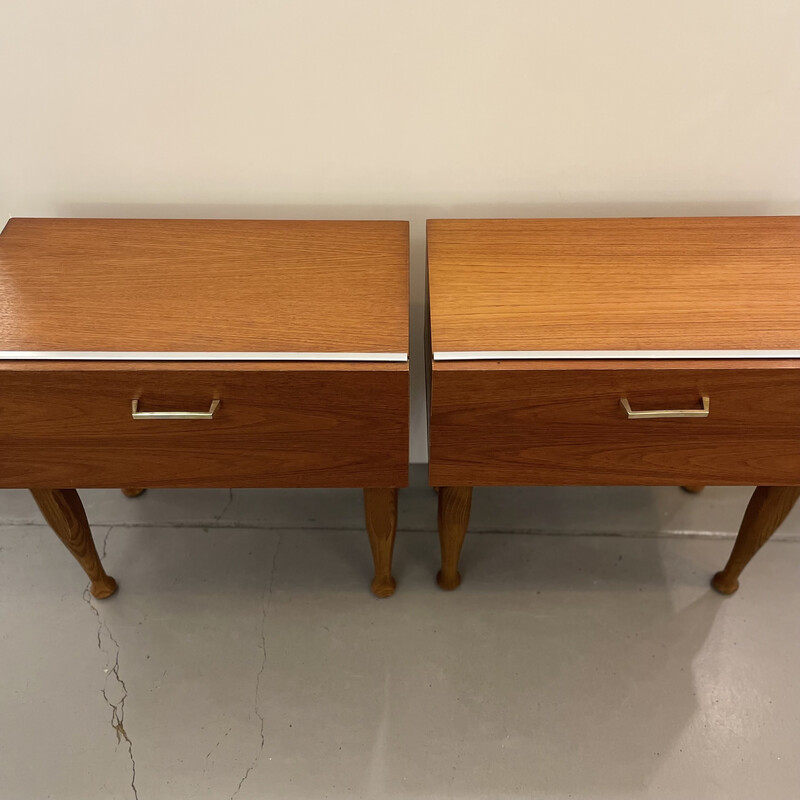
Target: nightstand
<point>203,353</point>
<point>615,352</point>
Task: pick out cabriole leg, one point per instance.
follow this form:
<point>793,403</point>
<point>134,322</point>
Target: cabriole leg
<point>380,508</point>
<point>63,510</point>
<point>767,509</point>
<point>454,507</point>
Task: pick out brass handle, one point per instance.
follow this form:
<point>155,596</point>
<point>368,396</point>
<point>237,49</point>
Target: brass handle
<point>136,414</point>
<point>666,413</point>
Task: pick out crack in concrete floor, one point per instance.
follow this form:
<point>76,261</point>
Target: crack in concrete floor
<point>118,708</point>
<point>266,601</point>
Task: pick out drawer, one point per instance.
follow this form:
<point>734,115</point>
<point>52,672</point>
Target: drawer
<point>561,423</point>
<point>277,424</point>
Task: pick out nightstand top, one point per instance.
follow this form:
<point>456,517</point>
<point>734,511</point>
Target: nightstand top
<point>679,287</point>
<point>252,288</point>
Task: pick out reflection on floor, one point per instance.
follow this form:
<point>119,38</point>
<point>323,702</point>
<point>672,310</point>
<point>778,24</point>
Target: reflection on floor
<point>244,655</point>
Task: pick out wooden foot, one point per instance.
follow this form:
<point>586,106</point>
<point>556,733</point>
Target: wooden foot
<point>380,507</point>
<point>767,509</point>
<point>454,507</point>
<point>693,489</point>
<point>63,510</point>
<point>132,492</point>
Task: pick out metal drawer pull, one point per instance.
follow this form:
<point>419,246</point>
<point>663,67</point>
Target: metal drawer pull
<point>666,413</point>
<point>136,414</point>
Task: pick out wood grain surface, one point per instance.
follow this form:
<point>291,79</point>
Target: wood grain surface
<point>278,425</point>
<point>64,512</point>
<point>380,513</point>
<point>539,424</point>
<point>615,284</point>
<point>455,503</point>
<point>203,285</point>
<point>768,508</point>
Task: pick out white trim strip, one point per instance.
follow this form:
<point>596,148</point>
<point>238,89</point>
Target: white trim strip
<point>538,355</point>
<point>122,355</point>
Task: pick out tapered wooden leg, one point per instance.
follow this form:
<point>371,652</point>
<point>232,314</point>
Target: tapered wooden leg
<point>380,507</point>
<point>454,506</point>
<point>63,510</point>
<point>693,489</point>
<point>132,492</point>
<point>767,509</point>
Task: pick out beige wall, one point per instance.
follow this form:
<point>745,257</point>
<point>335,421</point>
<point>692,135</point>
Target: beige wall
<point>409,109</point>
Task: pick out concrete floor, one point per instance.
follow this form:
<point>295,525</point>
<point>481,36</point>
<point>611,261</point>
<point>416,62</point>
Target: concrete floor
<point>244,656</point>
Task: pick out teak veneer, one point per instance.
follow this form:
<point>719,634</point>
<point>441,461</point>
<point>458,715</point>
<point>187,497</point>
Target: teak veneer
<point>288,425</point>
<point>665,284</point>
<point>210,286</point>
<point>274,354</point>
<point>550,337</point>
<point>544,424</point>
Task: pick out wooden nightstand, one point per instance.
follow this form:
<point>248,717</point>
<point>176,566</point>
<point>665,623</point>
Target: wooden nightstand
<point>616,351</point>
<point>203,353</point>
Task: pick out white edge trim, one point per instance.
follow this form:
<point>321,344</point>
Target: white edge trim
<point>538,355</point>
<point>121,355</point>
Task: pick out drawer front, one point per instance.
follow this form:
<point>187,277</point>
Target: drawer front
<point>562,426</point>
<point>330,427</point>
